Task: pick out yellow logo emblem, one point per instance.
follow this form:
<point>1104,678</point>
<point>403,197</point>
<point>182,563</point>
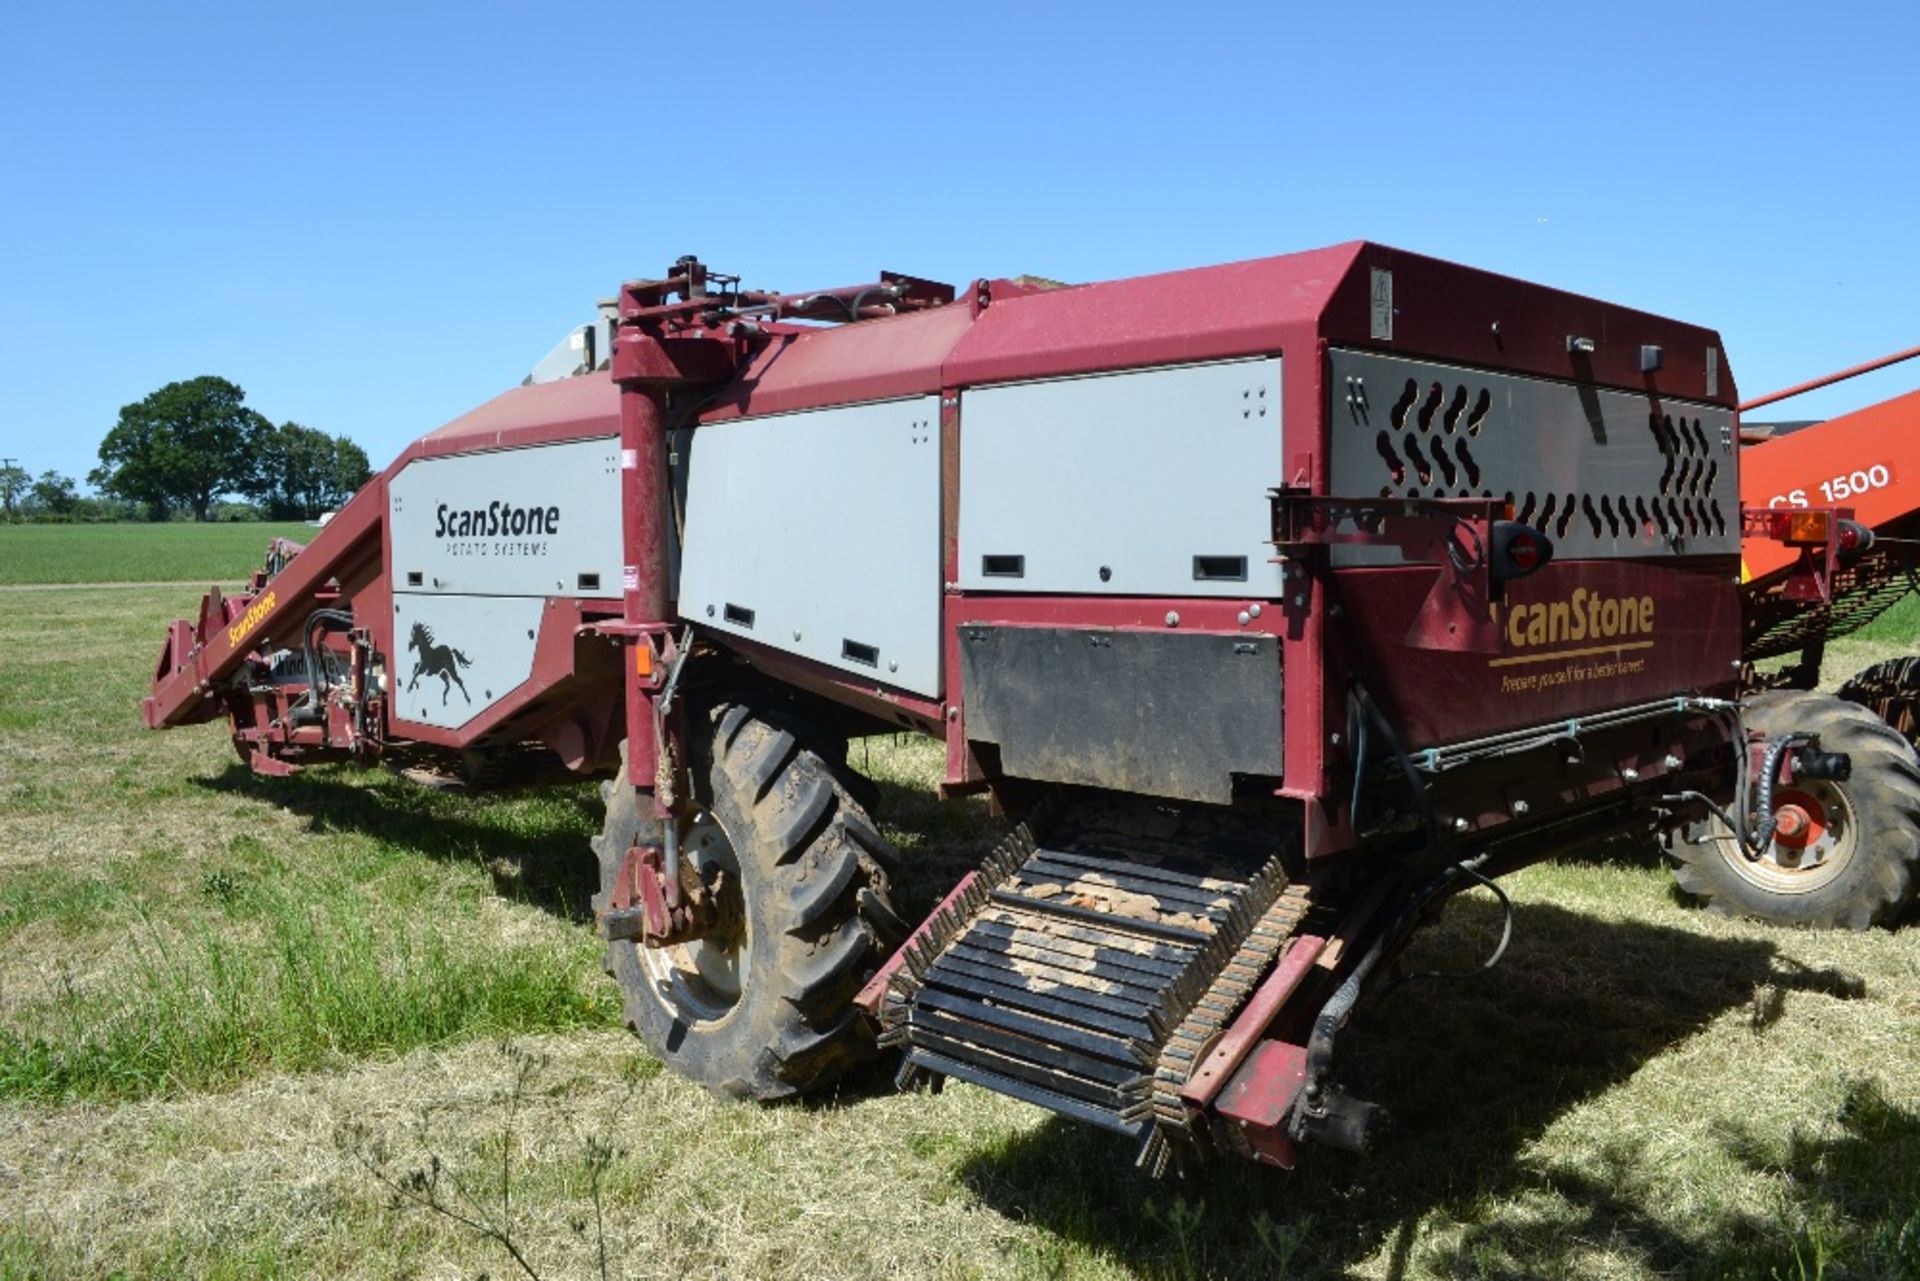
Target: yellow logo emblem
<point>242,627</point>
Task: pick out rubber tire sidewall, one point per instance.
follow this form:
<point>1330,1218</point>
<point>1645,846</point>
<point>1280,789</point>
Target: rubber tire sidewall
<point>809,946</point>
<point>1878,883</point>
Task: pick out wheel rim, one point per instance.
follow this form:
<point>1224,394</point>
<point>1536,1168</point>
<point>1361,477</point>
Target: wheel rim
<point>703,979</point>
<point>1809,860</point>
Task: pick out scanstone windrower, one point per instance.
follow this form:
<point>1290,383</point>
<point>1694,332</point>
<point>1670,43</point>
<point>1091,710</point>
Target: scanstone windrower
<point>1274,602</point>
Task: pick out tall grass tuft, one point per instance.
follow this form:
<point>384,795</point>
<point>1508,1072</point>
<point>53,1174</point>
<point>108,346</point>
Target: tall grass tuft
<point>318,981</point>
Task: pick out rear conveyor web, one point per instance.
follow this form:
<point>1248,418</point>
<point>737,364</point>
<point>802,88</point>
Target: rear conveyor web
<point>1087,967</point>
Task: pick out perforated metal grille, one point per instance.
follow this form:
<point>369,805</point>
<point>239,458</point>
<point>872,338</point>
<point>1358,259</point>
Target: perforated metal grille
<point>1606,473</point>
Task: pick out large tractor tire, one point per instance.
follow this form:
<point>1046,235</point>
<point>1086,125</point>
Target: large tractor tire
<point>762,1008</point>
<point>1856,863</point>
<point>1891,691</point>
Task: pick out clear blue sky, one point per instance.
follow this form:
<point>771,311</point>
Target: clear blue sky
<point>373,217</point>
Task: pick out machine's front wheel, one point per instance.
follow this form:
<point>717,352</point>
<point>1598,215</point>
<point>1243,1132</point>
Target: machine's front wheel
<point>1849,857</point>
<point>761,1006</point>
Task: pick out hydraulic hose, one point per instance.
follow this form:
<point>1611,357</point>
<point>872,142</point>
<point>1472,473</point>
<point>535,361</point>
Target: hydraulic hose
<point>1339,1007</point>
<point>1334,1014</point>
<point>1392,740</point>
<point>1737,831</point>
<point>1769,770</point>
<point>1357,733</point>
<point>1752,840</point>
<point>307,709</point>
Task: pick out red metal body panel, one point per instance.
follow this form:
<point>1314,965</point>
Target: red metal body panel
<point>875,360</point>
<point>1149,613</point>
<point>1441,696</point>
<point>537,414</point>
<point>894,707</point>
<point>1816,467</point>
<point>1207,313</point>
<point>1265,305</point>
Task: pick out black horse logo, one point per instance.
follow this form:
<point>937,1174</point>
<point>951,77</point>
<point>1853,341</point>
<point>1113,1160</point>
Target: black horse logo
<point>443,661</point>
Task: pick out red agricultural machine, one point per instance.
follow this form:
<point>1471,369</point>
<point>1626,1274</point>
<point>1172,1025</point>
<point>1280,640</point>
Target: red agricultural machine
<point>1274,603</point>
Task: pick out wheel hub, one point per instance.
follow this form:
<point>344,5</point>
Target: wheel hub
<point>705,976</point>
<point>1813,840</point>
<point>1791,825</point>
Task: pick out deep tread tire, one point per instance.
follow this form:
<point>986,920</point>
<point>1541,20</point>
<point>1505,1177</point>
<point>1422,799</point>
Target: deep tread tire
<point>813,876</point>
<point>1882,874</point>
<point>1891,691</point>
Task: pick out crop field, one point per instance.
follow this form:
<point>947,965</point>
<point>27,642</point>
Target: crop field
<point>171,552</point>
<point>246,1024</point>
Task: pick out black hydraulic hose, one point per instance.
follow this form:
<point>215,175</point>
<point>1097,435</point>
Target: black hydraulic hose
<point>307,709</point>
<point>1333,1016</point>
<point>1751,840</point>
<point>860,299</point>
<point>1339,1007</point>
<point>807,303</point>
<point>1357,731</point>
<point>1392,740</point>
<point>1737,737</point>
<point>1736,830</point>
<point>1472,871</point>
<point>1769,770</point>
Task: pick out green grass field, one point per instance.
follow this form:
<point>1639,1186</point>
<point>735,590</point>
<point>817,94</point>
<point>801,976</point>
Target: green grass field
<point>226,1002</point>
<point>1900,625</point>
<point>139,553</point>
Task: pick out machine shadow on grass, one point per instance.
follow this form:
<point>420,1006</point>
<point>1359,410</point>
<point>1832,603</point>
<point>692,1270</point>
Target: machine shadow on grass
<point>1472,1071</point>
<point>547,862</point>
<point>542,858</point>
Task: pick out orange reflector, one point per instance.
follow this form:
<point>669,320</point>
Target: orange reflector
<point>643,658</point>
<point>1808,528</point>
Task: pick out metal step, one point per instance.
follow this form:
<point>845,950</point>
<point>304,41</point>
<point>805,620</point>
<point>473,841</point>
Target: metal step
<point>1080,968</point>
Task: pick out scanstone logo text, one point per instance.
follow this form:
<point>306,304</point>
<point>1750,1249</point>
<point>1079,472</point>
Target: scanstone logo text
<point>495,520</point>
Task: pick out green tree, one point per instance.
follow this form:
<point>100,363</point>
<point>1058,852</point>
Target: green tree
<point>54,494</point>
<point>300,472</point>
<point>13,483</point>
<point>183,446</point>
<point>287,460</point>
<point>350,470</point>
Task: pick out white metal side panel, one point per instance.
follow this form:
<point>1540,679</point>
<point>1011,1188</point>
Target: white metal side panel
<point>818,533</point>
<point>1151,482</point>
<point>543,520</point>
<point>459,655</point>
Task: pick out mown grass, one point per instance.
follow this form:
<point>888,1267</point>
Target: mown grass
<point>206,979</point>
<point>138,553</point>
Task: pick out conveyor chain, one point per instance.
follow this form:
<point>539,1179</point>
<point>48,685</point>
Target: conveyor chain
<point>1087,966</point>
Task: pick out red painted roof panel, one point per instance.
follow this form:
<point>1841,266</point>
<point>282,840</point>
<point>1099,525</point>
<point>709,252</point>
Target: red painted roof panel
<point>540,413</point>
